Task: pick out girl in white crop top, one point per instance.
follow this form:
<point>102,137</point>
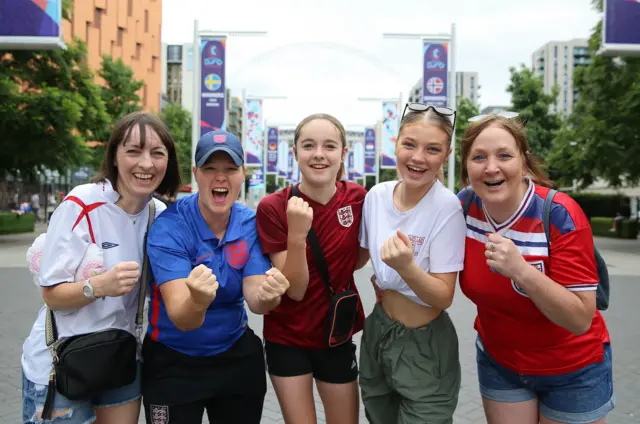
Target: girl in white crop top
<point>414,231</point>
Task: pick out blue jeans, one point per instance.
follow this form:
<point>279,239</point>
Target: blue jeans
<point>578,397</point>
<point>75,411</point>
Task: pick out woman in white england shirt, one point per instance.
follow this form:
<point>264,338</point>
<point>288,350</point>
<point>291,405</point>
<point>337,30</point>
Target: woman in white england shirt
<point>112,213</point>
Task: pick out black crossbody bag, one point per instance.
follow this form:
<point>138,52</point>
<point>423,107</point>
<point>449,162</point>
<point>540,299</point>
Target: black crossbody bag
<point>343,309</point>
<point>89,364</point>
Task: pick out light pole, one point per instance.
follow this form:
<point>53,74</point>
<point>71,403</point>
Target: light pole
<point>451,38</point>
<point>246,97</point>
<point>197,81</point>
<point>378,131</point>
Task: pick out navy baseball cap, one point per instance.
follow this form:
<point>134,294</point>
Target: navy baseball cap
<point>219,141</point>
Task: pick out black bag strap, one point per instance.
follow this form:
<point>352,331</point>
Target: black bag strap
<point>546,214</point>
<point>316,249</point>
<point>50,328</point>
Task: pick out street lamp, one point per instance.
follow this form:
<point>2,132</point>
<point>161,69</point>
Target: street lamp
<point>451,38</point>
<point>378,132</point>
<point>197,81</point>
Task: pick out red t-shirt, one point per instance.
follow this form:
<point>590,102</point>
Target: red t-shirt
<point>337,225</point>
<point>512,328</point>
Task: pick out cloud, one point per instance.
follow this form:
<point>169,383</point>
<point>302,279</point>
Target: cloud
<point>325,55</point>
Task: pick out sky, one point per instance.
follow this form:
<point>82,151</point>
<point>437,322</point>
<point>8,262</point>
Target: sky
<point>329,55</point>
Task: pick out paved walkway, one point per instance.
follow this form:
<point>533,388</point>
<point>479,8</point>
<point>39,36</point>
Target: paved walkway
<point>20,301</point>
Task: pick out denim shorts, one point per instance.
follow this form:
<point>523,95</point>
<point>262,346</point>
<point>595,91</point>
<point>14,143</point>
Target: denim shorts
<point>75,411</point>
<point>578,397</point>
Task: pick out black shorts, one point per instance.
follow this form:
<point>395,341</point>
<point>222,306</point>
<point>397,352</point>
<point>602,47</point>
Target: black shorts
<point>232,383</point>
<point>335,365</point>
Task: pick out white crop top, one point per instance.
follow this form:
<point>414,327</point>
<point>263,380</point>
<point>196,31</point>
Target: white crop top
<point>435,226</point>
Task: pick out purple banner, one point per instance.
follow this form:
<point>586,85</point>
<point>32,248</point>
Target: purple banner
<point>434,75</point>
<point>370,157</point>
<point>257,178</point>
<point>212,87</point>
<point>30,24</point>
<point>622,25</point>
<point>290,169</point>
<point>350,173</point>
<point>272,150</point>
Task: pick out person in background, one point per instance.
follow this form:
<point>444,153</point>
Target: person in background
<point>543,350</point>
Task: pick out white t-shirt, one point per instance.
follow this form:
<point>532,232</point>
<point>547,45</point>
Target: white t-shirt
<point>435,226</point>
<point>87,215</point>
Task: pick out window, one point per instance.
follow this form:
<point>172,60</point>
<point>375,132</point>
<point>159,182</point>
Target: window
<point>146,21</point>
<point>120,36</point>
<point>138,51</point>
<point>144,95</point>
<point>130,9</point>
<point>97,18</point>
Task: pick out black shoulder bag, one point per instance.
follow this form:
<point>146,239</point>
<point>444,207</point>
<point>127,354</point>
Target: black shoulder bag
<point>88,364</point>
<point>343,308</point>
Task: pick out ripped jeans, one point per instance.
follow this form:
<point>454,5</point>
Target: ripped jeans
<point>67,411</point>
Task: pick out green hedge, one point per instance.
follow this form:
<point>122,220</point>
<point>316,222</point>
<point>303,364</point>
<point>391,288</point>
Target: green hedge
<point>597,205</point>
<point>11,223</point>
<point>601,226</point>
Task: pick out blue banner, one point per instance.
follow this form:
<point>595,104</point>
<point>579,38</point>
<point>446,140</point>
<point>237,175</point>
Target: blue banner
<point>30,24</point>
<point>621,29</point>
<point>435,72</point>
<point>370,157</point>
<point>257,179</point>
<point>272,150</point>
<point>212,85</point>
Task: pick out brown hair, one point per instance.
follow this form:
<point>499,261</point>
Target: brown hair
<point>431,117</point>
<point>517,131</point>
<point>121,133</point>
<point>335,122</point>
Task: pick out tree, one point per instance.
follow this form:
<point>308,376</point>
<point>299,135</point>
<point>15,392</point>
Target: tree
<point>119,94</point>
<point>120,89</point>
<point>50,108</point>
<point>465,110</point>
<point>601,138</point>
<point>532,103</point>
<point>178,120</point>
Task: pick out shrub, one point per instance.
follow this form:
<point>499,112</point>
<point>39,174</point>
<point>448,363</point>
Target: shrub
<point>11,223</point>
<point>601,226</point>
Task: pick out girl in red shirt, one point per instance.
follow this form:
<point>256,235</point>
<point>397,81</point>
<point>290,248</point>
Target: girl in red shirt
<point>296,345</point>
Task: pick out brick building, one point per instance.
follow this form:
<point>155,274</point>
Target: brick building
<point>129,29</point>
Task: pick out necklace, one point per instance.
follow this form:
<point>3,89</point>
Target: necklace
<point>134,217</point>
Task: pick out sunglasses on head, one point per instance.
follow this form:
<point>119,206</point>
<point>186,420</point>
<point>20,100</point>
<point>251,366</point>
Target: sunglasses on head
<point>505,114</point>
<point>421,107</point>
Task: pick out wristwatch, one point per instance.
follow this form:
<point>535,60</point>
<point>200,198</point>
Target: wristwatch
<point>87,289</point>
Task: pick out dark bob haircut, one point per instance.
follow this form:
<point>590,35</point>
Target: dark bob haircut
<point>121,133</point>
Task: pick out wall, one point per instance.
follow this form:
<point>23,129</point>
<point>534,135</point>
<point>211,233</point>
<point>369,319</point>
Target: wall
<point>127,29</point>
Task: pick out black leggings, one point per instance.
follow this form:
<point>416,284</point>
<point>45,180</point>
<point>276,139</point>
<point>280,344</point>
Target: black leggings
<point>220,410</point>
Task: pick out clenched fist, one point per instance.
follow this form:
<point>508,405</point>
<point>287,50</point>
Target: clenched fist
<point>203,285</point>
<point>118,281</point>
<point>275,284</point>
<point>397,251</point>
<point>299,217</point>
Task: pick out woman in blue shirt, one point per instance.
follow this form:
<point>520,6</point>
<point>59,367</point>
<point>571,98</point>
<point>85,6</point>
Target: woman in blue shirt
<point>199,352</point>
